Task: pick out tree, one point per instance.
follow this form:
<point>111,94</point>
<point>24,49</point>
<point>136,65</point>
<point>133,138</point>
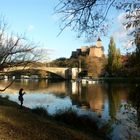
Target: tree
<point>132,67</point>
<point>95,66</point>
<point>14,51</point>
<point>132,24</point>
<point>137,42</point>
<point>114,63</point>
<point>72,62</point>
<point>90,16</point>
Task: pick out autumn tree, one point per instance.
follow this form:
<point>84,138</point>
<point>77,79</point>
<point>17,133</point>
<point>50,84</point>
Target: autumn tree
<point>95,66</point>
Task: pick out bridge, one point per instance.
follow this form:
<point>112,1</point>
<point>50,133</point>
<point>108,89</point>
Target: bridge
<point>41,72</point>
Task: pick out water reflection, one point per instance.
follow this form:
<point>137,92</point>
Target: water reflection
<point>97,97</point>
<point>35,86</point>
<point>104,99</point>
<point>134,100</point>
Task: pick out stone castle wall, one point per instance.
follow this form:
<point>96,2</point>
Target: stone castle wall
<point>92,51</point>
<point>96,52</point>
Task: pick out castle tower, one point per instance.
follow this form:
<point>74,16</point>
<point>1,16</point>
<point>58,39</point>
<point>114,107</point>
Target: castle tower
<point>99,43</point>
<point>84,49</point>
<point>97,51</point>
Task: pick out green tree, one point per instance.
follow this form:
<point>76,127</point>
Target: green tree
<point>132,67</point>
<point>114,56</point>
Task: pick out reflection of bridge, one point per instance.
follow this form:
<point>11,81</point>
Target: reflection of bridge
<point>41,72</point>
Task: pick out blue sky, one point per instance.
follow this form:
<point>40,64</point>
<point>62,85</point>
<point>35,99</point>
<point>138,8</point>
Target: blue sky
<point>36,19</point>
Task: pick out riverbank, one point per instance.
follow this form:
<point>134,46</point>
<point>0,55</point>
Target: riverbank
<point>88,80</point>
<point>23,124</point>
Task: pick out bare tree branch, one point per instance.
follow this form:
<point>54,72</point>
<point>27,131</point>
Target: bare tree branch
<point>15,51</point>
<point>1,90</point>
<point>89,16</point>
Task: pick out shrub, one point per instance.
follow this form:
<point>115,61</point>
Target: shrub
<point>40,111</point>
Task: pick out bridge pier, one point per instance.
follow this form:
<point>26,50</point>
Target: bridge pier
<point>5,77</point>
<point>75,72</point>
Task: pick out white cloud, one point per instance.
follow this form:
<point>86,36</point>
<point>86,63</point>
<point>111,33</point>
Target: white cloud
<point>31,28</point>
<point>121,32</point>
<point>121,18</point>
<point>44,53</point>
<point>55,17</point>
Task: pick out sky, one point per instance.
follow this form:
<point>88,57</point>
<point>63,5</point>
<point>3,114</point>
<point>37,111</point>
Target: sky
<point>37,21</point>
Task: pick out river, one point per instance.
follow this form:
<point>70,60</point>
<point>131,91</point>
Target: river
<point>104,99</point>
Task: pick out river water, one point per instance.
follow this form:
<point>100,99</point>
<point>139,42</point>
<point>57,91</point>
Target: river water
<point>103,99</point>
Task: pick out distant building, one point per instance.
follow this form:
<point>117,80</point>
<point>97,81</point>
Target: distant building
<point>91,51</point>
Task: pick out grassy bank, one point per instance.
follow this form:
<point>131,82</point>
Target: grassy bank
<point>76,122</point>
<point>26,124</point>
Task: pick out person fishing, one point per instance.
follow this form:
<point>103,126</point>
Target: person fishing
<point>20,97</point>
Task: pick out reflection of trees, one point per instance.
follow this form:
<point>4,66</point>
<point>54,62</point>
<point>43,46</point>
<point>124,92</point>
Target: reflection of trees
<point>41,86</point>
<point>79,96</point>
<point>116,93</point>
<point>114,100</point>
<point>134,97</point>
<point>83,97</point>
<point>95,66</point>
<point>96,96</point>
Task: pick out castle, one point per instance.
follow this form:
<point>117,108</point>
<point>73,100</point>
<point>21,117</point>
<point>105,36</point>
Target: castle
<point>91,51</point>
